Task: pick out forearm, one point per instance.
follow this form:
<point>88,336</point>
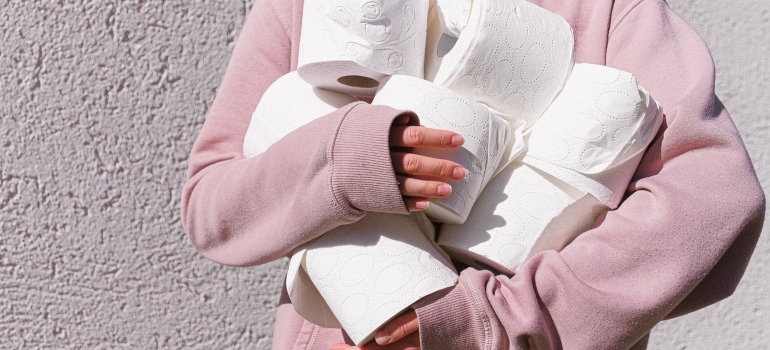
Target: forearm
<point>328,173</point>
<point>250,211</point>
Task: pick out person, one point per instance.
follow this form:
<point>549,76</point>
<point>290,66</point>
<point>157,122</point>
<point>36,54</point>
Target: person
<point>680,240</point>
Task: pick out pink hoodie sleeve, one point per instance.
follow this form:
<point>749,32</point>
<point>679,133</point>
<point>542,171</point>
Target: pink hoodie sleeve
<point>328,173</point>
<point>680,240</point>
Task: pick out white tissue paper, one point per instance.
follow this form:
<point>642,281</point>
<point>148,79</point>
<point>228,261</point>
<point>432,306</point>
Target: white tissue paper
<point>349,46</point>
<point>362,275</point>
<point>518,209</point>
<point>433,51</point>
<point>286,105</point>
<point>487,137</point>
<point>454,15</point>
<point>511,55</point>
<point>598,128</point>
<point>356,276</point>
<point>580,157</point>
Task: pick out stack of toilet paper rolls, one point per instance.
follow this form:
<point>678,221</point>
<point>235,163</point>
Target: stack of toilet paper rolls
<point>549,144</point>
<point>581,154</point>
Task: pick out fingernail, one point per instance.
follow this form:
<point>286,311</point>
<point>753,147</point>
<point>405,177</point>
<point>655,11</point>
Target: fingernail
<point>422,205</point>
<point>382,337</point>
<point>459,173</point>
<point>444,190</point>
<point>457,140</point>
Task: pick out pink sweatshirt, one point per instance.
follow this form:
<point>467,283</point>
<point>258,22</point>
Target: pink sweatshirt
<point>680,240</point>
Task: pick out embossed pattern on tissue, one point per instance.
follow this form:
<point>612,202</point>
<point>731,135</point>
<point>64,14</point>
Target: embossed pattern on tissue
<point>380,270</point>
<point>591,138</point>
<point>597,123</point>
<point>381,32</point>
<point>522,64</point>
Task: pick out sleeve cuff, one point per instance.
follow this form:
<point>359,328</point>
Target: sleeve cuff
<point>451,319</point>
<point>362,173</point>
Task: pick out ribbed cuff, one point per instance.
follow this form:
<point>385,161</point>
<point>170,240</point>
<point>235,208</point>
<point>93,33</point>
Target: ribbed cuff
<point>362,171</point>
<point>449,319</point>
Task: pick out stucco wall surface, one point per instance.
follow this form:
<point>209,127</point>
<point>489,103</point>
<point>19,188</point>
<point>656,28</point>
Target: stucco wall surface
<point>101,102</point>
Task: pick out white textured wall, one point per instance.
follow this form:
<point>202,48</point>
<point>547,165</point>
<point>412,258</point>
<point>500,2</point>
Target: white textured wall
<point>101,102</point>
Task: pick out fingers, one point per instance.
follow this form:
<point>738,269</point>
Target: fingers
<point>418,136</point>
<point>411,187</point>
<point>409,342</point>
<point>404,120</point>
<point>422,177</point>
<point>415,164</point>
<point>416,203</point>
<point>398,328</point>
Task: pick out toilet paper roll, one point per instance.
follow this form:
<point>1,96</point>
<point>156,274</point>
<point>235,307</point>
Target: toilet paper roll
<point>602,119</point>
<point>594,133</point>
<point>530,207</point>
<point>607,187</point>
<point>487,138</point>
<point>286,105</point>
<point>348,46</point>
<point>521,212</point>
<point>512,56</point>
<point>360,276</point>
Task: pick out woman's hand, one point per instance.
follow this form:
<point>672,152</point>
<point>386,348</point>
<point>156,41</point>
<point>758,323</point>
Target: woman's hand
<point>421,177</point>
<point>402,333</point>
